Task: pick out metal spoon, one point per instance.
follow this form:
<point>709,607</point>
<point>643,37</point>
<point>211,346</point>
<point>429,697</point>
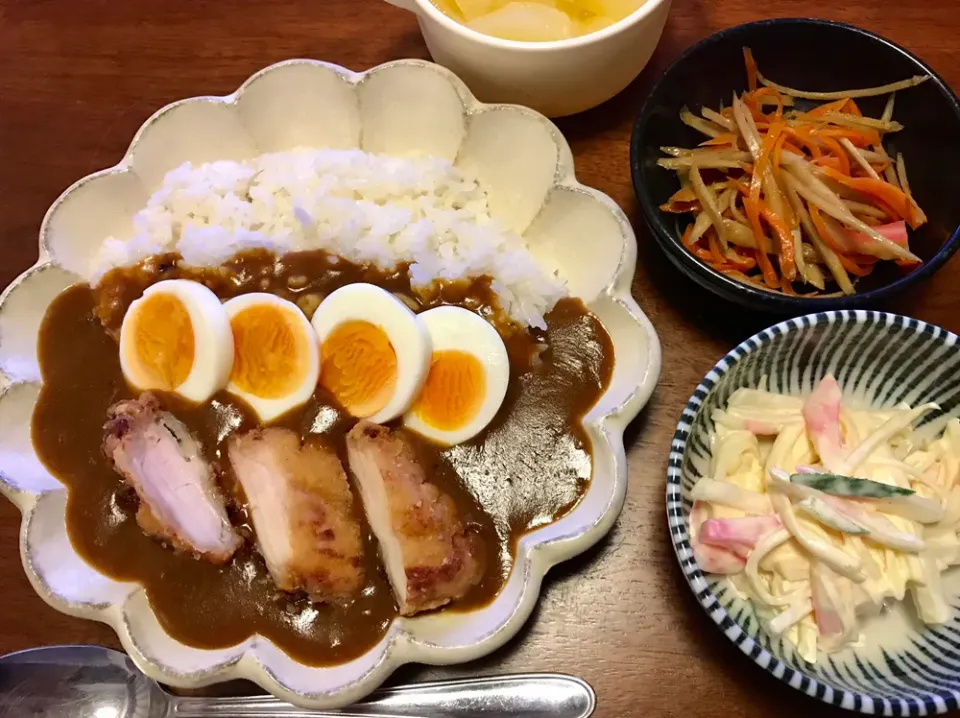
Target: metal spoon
<point>96,682</point>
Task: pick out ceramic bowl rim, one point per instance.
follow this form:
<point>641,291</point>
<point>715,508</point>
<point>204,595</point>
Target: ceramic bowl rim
<point>680,537</point>
<point>448,23</point>
<point>726,287</point>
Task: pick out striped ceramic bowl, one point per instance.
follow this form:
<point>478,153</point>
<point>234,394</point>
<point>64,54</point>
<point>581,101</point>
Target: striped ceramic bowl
<point>903,668</point>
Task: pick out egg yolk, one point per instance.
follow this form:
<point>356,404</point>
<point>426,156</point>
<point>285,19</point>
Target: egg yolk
<point>163,342</point>
<point>269,352</point>
<point>453,392</point>
<point>359,367</point>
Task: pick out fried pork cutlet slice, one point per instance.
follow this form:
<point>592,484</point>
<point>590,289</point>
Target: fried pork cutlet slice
<point>303,513</point>
<point>179,500</point>
<point>430,557</point>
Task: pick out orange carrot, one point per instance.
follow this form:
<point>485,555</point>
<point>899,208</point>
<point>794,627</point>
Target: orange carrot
<point>788,263</point>
<point>777,149</point>
<point>881,190</point>
<point>715,249</point>
<point>822,230</point>
<point>791,147</point>
<point>789,217</point>
<point>738,260</point>
<point>752,206</point>
<point>827,161</point>
<point>860,138</point>
<point>751,68</point>
<point>845,261</point>
<point>747,263</point>
<point>805,138</point>
<point>854,268</point>
<point>788,256</point>
<point>840,153</point>
<point>687,234</point>
<point>767,92</point>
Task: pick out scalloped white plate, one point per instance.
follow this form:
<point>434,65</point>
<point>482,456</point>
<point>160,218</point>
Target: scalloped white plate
<point>401,108</point>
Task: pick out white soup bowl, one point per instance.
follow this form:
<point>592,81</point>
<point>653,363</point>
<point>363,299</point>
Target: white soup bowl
<point>555,78</point>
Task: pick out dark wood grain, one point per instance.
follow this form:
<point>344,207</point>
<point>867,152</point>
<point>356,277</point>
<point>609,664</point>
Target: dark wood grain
<point>78,78</point>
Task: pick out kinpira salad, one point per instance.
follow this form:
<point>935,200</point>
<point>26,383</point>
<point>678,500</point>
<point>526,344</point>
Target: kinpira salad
<point>793,191</point>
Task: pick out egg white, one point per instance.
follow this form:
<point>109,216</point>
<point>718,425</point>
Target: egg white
<point>212,340</point>
<point>455,328</point>
<point>411,343</point>
<point>270,408</point>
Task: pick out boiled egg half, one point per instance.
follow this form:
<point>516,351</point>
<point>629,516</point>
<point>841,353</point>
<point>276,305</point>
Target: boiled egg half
<point>375,351</point>
<point>468,377</point>
<point>276,356</point>
<point>177,338</point>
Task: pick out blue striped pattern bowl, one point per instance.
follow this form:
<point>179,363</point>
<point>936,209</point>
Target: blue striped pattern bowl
<point>903,668</point>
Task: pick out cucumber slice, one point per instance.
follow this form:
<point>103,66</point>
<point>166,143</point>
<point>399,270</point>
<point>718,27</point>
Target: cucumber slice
<point>849,487</point>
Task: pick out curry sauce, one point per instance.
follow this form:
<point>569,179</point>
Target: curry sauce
<point>530,466</point>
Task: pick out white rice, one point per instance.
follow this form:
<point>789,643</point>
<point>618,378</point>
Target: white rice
<point>366,208</point>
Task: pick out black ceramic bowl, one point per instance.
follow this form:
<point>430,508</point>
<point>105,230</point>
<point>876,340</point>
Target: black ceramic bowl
<point>811,55</point>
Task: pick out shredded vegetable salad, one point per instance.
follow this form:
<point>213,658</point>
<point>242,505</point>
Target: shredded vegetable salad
<point>823,515</point>
<point>783,196</point>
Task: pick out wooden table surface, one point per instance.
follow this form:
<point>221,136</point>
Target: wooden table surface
<point>77,78</point>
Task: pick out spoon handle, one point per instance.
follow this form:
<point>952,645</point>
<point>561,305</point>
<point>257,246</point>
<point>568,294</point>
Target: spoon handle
<point>533,695</point>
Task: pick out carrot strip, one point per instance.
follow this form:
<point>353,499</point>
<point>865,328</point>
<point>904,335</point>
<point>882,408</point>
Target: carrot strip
<point>881,205</point>
<point>789,215</point>
<point>854,268</point>
<point>769,92</point>
<point>739,261</point>
<point>805,138</point>
<point>687,233</point>
<point>837,149</point>
<point>845,261</point>
<point>822,230</point>
<point>830,161</point>
<point>788,256</point>
<point>751,68</point>
<point>746,263</point>
<point>791,147</point>
<point>788,261</point>
<point>782,231</point>
<point>777,149</point>
<point>752,206</point>
<point>703,254</point>
<point>787,287</point>
<point>860,138</point>
<point>884,191</point>
<point>715,249</point>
